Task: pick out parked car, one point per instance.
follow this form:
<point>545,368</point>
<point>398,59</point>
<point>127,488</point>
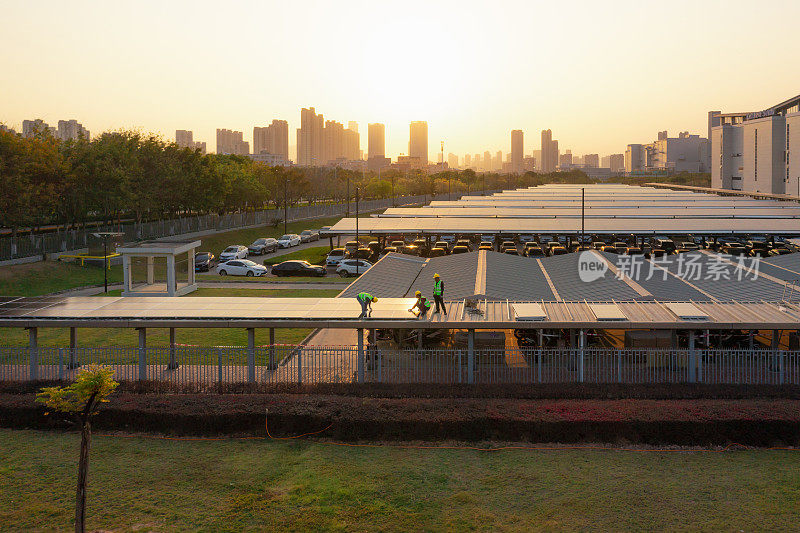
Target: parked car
<point>534,252</point>
<point>388,250</point>
<point>398,244</point>
<point>298,268</point>
<point>334,256</point>
<point>486,246</point>
<point>511,251</point>
<point>203,261</point>
<point>411,249</point>
<point>443,245</point>
<point>352,267</point>
<point>437,252</point>
<point>308,235</point>
<point>263,246</point>
<point>506,245</point>
<point>375,246</point>
<point>779,250</point>
<point>351,246</point>
<point>464,242</point>
<point>634,250</point>
<point>664,243</point>
<point>459,250</point>
<point>361,253</point>
<point>237,251</point>
<point>289,240</point>
<point>558,250</point>
<point>241,267</point>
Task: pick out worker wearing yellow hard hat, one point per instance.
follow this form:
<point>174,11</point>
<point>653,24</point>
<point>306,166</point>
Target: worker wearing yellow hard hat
<point>438,293</point>
<point>366,300</point>
<point>421,306</point>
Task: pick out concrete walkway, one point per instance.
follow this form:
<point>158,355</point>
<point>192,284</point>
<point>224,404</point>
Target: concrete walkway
<point>255,285</point>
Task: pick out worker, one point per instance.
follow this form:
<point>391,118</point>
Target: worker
<point>438,293</point>
<point>422,304</point>
<point>366,300</point>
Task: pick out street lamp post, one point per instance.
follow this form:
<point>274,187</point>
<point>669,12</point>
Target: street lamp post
<point>357,246</point>
<point>105,235</point>
<point>285,203</point>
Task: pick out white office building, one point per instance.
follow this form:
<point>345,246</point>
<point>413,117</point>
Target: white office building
<point>684,153</point>
<point>757,151</point>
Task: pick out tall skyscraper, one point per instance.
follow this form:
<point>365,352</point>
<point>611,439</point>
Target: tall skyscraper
<point>310,138</point>
<point>376,141</point>
<point>487,161</point>
<point>591,160</point>
<point>549,152</point>
<point>418,141</point>
<point>231,142</point>
<point>517,150</point>
<point>71,130</point>
<point>352,142</point>
<point>617,162</point>
<point>497,162</point>
<point>452,160</point>
<point>467,161</point>
<point>184,138</point>
<point>272,139</point>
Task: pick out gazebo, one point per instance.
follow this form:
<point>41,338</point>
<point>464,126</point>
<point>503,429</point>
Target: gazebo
<point>172,262</point>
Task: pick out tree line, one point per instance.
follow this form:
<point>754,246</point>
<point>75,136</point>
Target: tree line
<point>139,176</point>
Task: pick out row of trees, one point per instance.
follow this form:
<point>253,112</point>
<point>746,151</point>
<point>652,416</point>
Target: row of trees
<point>132,175</point>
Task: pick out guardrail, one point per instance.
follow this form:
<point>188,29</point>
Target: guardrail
<point>302,364</point>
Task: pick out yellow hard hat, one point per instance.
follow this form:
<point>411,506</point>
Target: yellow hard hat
<point>374,299</point>
<point>436,275</point>
<point>417,294</point>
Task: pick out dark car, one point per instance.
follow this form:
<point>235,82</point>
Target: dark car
<point>411,249</point>
<point>203,261</point>
<point>459,250</point>
<point>298,268</point>
<point>437,252</point>
<point>361,253</point>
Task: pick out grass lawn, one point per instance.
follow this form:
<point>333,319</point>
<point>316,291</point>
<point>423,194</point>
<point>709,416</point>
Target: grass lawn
<point>270,279</point>
<point>36,279</point>
<point>315,256</point>
<point>140,484</point>
<point>108,337</point>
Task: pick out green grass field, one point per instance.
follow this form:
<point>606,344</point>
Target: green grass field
<point>315,255</point>
<point>36,279</point>
<point>108,337</point>
<point>142,484</point>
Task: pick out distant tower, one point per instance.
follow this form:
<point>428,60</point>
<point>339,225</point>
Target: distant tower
<point>517,150</point>
<point>418,141</point>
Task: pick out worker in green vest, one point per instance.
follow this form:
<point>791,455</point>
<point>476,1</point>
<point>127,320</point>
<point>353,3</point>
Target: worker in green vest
<point>365,299</point>
<point>422,304</point>
<point>438,293</point>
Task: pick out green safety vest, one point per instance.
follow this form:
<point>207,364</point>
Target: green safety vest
<point>437,288</point>
<point>364,297</point>
<point>426,303</point>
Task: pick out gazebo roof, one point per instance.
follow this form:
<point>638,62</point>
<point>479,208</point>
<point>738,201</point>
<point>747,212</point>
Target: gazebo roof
<point>158,248</point>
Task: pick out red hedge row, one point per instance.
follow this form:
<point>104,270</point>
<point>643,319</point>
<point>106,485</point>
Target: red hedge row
<point>763,422</point>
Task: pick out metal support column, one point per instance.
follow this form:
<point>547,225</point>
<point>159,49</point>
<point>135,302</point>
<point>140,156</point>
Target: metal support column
<point>360,335</point>
<point>142,353</point>
<point>777,359</point>
<point>581,346</point>
<point>272,364</point>
<point>470,356</point>
<point>251,355</point>
<point>73,349</point>
<point>173,363</point>
<point>692,359</point>
<point>33,352</point>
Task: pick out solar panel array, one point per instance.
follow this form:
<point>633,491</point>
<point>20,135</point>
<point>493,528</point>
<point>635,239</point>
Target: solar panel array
<point>609,209</point>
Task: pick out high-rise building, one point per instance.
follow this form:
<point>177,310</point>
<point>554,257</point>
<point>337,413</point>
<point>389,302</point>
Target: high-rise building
<point>72,130</point>
<point>591,160</point>
<point>565,160</point>
<point>635,160</point>
<point>231,142</point>
<point>184,138</point>
<point>5,128</point>
<point>352,142</point>
<point>487,161</point>
<point>32,127</point>
<point>517,150</point>
<point>452,160</point>
<point>376,141</point>
<point>616,162</point>
<point>497,161</point>
<point>272,139</point>
<point>549,152</point>
<point>310,138</point>
<point>333,142</point>
<point>418,140</point>
<point>467,161</point>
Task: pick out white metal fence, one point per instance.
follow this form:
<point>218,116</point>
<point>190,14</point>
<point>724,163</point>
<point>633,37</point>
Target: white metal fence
<point>293,364</point>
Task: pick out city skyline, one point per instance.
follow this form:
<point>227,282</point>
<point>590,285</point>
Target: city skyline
<point>160,88</point>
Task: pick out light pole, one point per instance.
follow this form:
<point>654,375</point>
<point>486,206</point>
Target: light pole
<point>357,246</point>
<point>285,202</point>
<point>105,235</point>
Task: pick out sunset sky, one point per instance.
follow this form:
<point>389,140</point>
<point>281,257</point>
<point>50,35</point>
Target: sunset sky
<point>599,74</point>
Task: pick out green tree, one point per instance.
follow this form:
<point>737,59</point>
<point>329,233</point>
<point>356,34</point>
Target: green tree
<point>82,400</point>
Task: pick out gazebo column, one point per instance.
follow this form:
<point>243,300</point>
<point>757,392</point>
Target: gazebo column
<point>171,284</point>
<point>173,364</point>
<point>151,275</point>
<point>190,266</point>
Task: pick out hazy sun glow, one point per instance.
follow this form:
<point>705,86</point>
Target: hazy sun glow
<point>599,74</point>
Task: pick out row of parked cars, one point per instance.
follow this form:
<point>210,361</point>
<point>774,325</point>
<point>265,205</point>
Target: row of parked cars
<point>547,245</point>
<point>234,259</point>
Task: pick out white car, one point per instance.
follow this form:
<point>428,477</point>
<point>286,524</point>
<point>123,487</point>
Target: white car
<point>352,267</point>
<point>241,267</point>
<point>335,256</point>
<point>237,251</point>
<point>289,240</point>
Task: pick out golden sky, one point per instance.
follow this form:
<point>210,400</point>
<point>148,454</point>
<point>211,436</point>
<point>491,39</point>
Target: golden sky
<point>600,74</point>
